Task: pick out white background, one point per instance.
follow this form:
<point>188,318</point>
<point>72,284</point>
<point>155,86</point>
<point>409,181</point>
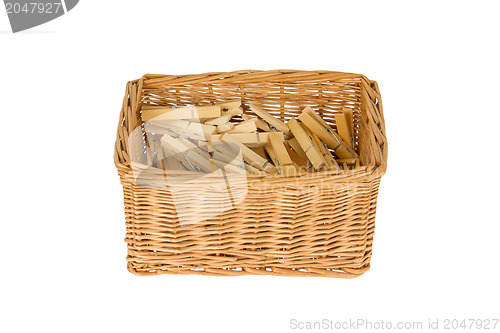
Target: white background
<point>436,251</point>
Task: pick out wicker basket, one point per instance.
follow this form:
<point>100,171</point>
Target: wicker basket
<point>319,224</point>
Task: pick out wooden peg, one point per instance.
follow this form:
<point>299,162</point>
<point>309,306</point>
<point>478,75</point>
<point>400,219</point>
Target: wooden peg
<point>348,112</point>
<point>294,144</point>
<point>276,123</point>
<point>198,162</point>
<point>261,124</point>
<point>301,162</point>
<point>198,128</point>
<point>178,149</point>
<point>272,155</point>
<point>226,153</point>
<point>246,126</point>
<point>343,128</point>
<point>224,119</point>
<point>228,167</point>
<point>154,151</point>
<point>217,155</point>
<point>193,135</point>
<point>251,139</point>
<point>316,116</point>
<point>230,105</point>
<point>261,151</point>
<point>160,129</point>
<point>279,149</point>
<point>232,112</point>
<point>167,113</point>
<point>256,160</point>
<point>252,170</point>
<point>330,161</point>
<point>224,127</point>
<point>306,143</point>
<point>285,169</point>
<point>245,116</point>
<point>328,136</point>
<point>171,163</point>
<point>194,147</point>
<point>193,130</point>
<point>172,145</point>
<point>169,123</point>
<point>209,146</point>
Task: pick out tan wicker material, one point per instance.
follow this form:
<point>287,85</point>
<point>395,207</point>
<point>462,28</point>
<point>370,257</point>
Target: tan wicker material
<point>317,224</point>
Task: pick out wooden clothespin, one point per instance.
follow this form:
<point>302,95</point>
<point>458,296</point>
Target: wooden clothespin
<point>225,127</point>
<point>233,112</point>
<point>191,129</point>
<point>348,112</point>
<point>256,160</point>
<point>330,161</point>
<point>279,149</point>
<point>294,144</point>
<point>169,113</point>
<point>261,124</point>
<point>283,161</point>
<point>172,147</point>
<point>169,123</point>
<point>160,128</point>
<point>154,150</point>
<point>252,170</point>
<point>327,135</point>
<point>227,152</point>
<point>224,119</point>
<point>171,163</point>
<point>198,128</point>
<point>246,126</point>
<point>301,162</point>
<point>272,156</point>
<point>274,122</point>
<point>230,105</point>
<point>194,147</point>
<point>198,162</point>
<point>261,151</point>
<point>229,167</point>
<point>306,143</point>
<point>209,146</point>
<point>217,155</point>
<point>343,128</point>
<point>250,139</point>
<point>177,148</point>
<point>284,169</point>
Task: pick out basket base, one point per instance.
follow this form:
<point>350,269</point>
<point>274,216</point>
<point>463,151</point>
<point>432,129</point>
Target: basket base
<point>345,273</point>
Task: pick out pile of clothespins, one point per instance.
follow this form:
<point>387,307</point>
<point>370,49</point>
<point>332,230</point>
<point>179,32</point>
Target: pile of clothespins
<point>205,138</point>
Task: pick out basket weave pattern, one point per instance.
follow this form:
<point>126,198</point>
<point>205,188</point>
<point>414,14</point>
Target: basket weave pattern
<point>319,224</point>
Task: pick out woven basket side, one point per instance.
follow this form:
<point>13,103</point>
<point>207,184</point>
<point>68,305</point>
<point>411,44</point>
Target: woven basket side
<point>316,229</point>
<point>373,141</point>
<point>129,119</point>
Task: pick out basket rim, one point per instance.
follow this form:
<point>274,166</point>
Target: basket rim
<point>247,76</point>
